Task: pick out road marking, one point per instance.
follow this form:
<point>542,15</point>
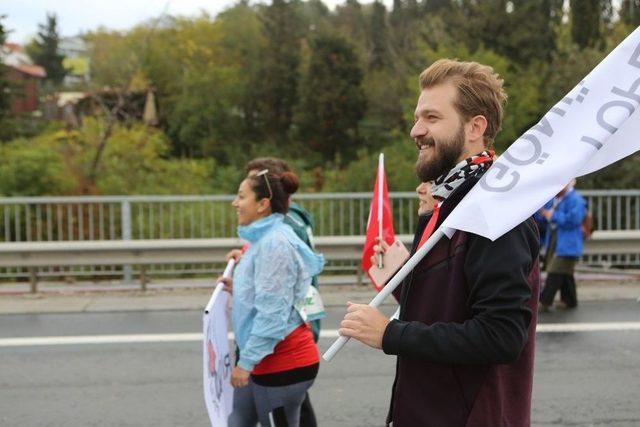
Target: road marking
<point>99,339</point>
<point>588,327</point>
<point>327,333</point>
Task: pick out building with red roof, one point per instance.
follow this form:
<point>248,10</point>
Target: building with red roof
<point>25,77</point>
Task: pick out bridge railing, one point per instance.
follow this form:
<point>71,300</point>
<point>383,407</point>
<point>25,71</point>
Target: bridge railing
<point>35,256</point>
<point>26,219</point>
<point>54,219</point>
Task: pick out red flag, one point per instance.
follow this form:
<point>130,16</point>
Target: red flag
<point>379,214</point>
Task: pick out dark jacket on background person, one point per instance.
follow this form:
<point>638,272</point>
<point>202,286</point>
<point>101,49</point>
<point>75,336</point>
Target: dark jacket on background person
<point>466,332</point>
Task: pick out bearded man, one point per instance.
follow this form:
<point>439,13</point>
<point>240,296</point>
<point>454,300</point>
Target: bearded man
<point>464,340</point>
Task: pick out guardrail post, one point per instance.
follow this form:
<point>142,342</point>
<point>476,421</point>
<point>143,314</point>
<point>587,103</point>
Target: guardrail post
<point>143,277</point>
<point>125,221</point>
<point>33,278</point>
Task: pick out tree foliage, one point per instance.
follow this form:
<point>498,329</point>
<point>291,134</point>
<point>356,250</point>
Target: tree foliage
<point>136,161</point>
<point>332,100</point>
<point>5,87</point>
<point>630,12</point>
<point>588,20</point>
<point>44,49</point>
<point>279,72</point>
<point>326,89</point>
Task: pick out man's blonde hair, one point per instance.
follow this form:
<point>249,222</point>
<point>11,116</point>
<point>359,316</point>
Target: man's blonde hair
<point>479,91</point>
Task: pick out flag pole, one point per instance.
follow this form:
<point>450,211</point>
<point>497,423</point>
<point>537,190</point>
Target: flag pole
<point>380,204</point>
<point>391,286</point>
<point>227,273</point>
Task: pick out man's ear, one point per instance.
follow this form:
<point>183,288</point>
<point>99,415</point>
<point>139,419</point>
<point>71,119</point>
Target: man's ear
<point>476,128</point>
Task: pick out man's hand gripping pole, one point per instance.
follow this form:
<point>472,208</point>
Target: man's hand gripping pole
<point>390,287</point>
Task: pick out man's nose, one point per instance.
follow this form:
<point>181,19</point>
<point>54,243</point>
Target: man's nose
<point>418,130</point>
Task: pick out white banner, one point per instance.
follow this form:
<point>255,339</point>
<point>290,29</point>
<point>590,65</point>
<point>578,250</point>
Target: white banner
<point>217,365</point>
<point>596,124</point>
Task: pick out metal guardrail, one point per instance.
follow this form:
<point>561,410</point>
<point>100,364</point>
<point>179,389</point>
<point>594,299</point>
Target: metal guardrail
<point>26,219</point>
<point>52,219</point>
<point>37,255</point>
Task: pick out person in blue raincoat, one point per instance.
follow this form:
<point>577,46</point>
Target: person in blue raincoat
<point>278,359</point>
<point>563,242</point>
<point>301,222</point>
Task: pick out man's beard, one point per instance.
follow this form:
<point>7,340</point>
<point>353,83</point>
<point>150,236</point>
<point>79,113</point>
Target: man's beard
<point>445,156</point>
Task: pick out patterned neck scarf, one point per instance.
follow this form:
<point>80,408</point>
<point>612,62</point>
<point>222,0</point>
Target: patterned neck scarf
<point>446,184</point>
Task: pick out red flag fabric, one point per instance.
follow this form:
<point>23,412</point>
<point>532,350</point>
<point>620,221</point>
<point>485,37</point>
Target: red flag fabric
<point>388,233</point>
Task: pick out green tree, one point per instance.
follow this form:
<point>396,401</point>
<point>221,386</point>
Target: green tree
<point>205,73</point>
<point>332,99</point>
<point>136,161</point>
<point>44,49</point>
<point>522,30</point>
<point>360,174</point>
<point>379,53</point>
<point>5,87</point>
<point>34,167</point>
<point>569,65</point>
<point>396,17</point>
<point>437,6</point>
<point>630,12</point>
<point>384,113</point>
<point>351,23</point>
<point>532,36</point>
<point>406,22</point>
<point>113,58</point>
<point>243,41</point>
<point>205,112</point>
<point>280,74</point>
<point>588,18</point>
<point>314,16</point>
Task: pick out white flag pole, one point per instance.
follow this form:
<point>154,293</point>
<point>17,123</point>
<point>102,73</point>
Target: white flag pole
<point>380,202</point>
<point>391,286</point>
<point>227,273</point>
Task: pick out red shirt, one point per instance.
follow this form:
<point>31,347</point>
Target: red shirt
<point>296,350</point>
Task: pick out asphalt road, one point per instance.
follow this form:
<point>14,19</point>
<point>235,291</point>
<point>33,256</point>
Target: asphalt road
<point>582,378</point>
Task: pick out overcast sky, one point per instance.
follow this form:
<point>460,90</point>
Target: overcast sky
<point>74,16</point>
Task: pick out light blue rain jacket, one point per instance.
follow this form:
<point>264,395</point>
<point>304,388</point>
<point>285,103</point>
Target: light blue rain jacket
<point>273,274</point>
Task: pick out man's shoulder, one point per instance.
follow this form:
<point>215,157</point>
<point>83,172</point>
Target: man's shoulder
<point>525,232</point>
<point>519,246</point>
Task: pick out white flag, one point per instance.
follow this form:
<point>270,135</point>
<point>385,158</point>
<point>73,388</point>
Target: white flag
<point>596,124</point>
<point>217,366</point>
